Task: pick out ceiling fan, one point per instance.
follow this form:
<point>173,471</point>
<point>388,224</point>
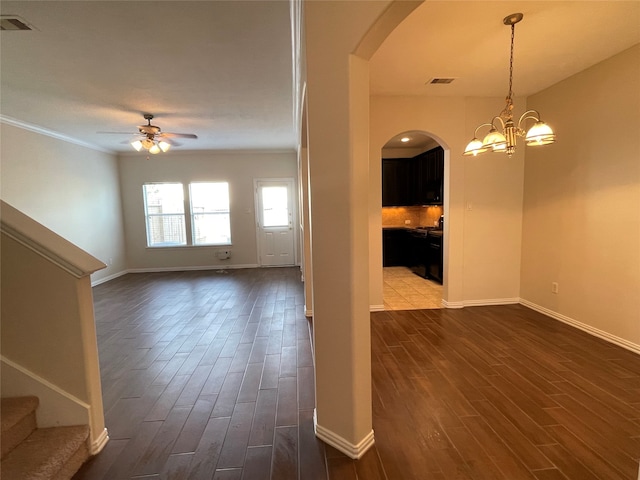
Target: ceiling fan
<point>152,138</point>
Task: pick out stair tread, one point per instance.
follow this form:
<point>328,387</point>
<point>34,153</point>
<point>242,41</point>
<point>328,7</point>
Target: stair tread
<point>15,409</point>
<point>44,452</point>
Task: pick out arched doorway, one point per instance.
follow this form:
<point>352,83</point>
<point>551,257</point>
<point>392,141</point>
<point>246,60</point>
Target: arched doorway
<point>412,221</point>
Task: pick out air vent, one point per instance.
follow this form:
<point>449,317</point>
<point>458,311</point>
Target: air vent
<point>440,81</point>
<point>13,22</point>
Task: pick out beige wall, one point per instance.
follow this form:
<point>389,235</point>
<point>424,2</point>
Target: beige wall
<point>49,346</point>
<point>70,189</point>
<point>582,201</point>
<point>26,286</point>
<point>483,197</point>
<point>338,112</point>
<point>238,168</point>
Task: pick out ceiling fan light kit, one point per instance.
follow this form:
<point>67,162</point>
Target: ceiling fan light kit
<point>152,139</point>
<point>505,141</point>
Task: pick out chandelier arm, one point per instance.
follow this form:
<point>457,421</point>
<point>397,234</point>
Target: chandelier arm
<point>533,114</point>
<point>475,133</point>
<point>501,121</point>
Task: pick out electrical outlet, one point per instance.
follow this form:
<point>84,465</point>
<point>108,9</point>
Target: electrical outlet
<point>223,254</point>
<point>554,287</point>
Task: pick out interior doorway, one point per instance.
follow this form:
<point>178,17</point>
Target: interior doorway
<point>412,221</point>
<point>275,226</point>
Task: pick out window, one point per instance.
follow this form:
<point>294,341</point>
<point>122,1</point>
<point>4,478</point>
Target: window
<point>164,210</point>
<point>210,213</point>
<point>275,206</point>
<point>208,221</point>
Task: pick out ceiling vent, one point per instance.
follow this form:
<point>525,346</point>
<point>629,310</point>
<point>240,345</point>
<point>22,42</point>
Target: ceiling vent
<point>13,22</point>
<point>440,81</point>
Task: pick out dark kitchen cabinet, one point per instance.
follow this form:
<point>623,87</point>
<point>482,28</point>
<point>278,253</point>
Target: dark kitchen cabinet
<point>395,182</point>
<point>434,268</point>
<point>428,171</point>
<point>394,247</point>
<point>418,253</point>
<point>417,249</point>
<point>413,181</point>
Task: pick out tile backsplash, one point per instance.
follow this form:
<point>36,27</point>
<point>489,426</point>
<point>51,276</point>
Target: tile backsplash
<point>418,216</point>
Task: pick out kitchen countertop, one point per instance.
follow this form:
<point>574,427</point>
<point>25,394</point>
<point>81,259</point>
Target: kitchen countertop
<point>434,231</point>
<point>410,227</point>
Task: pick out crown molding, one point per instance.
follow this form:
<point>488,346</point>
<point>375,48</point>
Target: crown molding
<point>50,133</point>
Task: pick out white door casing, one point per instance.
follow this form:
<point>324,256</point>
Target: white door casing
<point>274,221</point>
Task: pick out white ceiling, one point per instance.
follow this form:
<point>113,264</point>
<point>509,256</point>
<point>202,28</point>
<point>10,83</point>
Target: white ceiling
<point>469,42</point>
<point>219,69</point>
<point>223,69</point>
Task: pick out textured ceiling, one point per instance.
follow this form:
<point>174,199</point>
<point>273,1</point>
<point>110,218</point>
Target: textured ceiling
<point>223,69</point>
<point>469,42</point>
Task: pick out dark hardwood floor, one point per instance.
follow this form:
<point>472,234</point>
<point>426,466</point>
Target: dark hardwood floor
<point>206,375</point>
<point>501,393</point>
<point>209,375</point>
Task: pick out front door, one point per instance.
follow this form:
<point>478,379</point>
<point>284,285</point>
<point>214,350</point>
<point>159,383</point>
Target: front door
<point>274,212</point>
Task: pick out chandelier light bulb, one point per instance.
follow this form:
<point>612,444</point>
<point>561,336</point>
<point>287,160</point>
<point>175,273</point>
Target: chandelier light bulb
<point>540,134</point>
<point>494,140</point>
<point>137,144</point>
<point>154,149</point>
<point>147,143</point>
<point>474,148</point>
<point>164,146</point>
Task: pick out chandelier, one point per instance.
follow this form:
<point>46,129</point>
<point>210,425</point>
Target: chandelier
<point>505,141</point>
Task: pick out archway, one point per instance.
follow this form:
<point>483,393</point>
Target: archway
<point>340,184</point>
<point>412,218</point>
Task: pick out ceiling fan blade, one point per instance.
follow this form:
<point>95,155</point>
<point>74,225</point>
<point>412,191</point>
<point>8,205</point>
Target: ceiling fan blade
<point>177,135</point>
<point>172,142</point>
<point>119,133</point>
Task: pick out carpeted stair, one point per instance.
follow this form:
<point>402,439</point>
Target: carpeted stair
<point>35,453</point>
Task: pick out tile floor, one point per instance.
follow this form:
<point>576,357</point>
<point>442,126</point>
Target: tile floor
<point>404,290</point>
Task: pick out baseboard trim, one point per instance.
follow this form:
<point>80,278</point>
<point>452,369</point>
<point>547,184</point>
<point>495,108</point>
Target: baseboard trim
<point>308,312</point>
<point>109,278</point>
<point>354,451</point>
<point>596,332</point>
<point>492,301</point>
<point>188,269</point>
<point>446,304</point>
<point>376,308</point>
<point>98,444</point>
<point>481,303</point>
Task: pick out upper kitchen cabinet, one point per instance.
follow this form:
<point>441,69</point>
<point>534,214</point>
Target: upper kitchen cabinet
<point>413,181</point>
<point>395,182</point>
<point>429,174</point>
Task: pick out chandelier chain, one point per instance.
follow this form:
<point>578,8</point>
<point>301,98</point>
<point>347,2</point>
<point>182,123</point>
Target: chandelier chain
<point>513,29</point>
<point>507,113</point>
